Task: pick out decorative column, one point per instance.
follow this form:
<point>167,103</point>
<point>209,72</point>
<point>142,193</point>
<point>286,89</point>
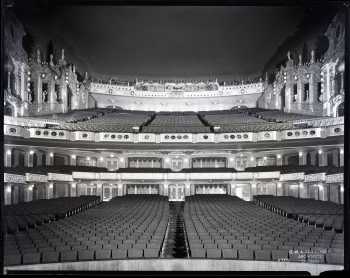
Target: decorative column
<point>341,157</point>
<point>8,157</point>
<point>341,193</point>
<point>49,190</point>
<point>302,190</point>
<point>7,194</point>
<point>99,190</point>
<point>49,158</point>
<point>28,192</point>
<point>253,189</point>
<point>302,158</point>
<point>322,195</point>
<point>187,188</point>
<point>165,186</point>
<point>322,158</point>
<point>279,189</point>
<point>28,159</point>
<point>73,160</point>
<point>279,160</point>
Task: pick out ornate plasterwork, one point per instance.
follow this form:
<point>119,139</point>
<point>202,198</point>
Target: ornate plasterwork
<point>335,178</point>
<point>59,177</point>
<point>36,178</point>
<point>292,177</point>
<point>13,178</point>
<point>315,177</point>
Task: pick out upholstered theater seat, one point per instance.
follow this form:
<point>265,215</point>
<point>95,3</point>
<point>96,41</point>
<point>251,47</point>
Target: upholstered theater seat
<point>262,255</point>
<point>103,254</point>
<point>135,253</point>
<point>229,254</point>
<point>50,257</point>
<point>12,259</point>
<point>245,254</point>
<point>119,253</point>
<point>31,258</point>
<point>69,256</point>
<point>151,253</point>
<point>198,253</point>
<point>213,253</point>
<point>86,255</point>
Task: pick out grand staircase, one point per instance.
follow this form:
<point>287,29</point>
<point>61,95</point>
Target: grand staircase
<point>176,239</point>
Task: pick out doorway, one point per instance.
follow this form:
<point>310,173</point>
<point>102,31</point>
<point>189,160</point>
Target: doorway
<point>176,192</point>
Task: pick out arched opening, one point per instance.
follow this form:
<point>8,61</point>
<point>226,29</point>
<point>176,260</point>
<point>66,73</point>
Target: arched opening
<point>69,98</point>
<point>9,109</point>
<point>283,97</point>
<point>322,45</point>
<point>293,160</point>
<point>308,159</point>
<point>59,160</point>
<point>35,160</point>
<point>340,110</point>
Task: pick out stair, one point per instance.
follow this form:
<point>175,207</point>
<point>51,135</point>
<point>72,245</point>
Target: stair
<point>176,239</point>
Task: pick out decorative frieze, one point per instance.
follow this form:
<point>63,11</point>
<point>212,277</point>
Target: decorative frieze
<point>292,177</point>
<point>36,178</point>
<point>59,177</point>
<point>335,178</point>
<point>315,177</point>
<point>13,178</point>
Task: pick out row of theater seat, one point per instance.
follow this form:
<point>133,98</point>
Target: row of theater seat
<point>80,255</point>
<point>27,215</point>
<point>236,120</point>
<point>266,255</point>
<point>225,222</point>
<point>135,224</point>
<point>323,214</point>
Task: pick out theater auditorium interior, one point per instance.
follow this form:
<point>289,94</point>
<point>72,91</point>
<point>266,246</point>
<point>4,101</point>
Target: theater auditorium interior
<point>176,138</point>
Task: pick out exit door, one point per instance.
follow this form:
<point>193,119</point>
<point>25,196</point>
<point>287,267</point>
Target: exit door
<point>176,192</point>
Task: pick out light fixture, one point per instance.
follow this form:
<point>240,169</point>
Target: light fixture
<point>73,156</point>
<point>51,154</point>
<point>320,151</point>
<point>121,159</point>
<point>231,158</point>
<point>31,152</point>
<point>8,189</point>
<point>185,159</point>
<point>252,158</point>
<point>8,152</point>
<point>43,75</point>
<point>279,156</point>
<point>320,187</point>
<point>167,159</point>
<point>50,185</point>
<point>341,151</point>
<point>301,185</point>
<point>111,155</point>
<point>88,158</point>
<point>279,184</point>
<point>300,153</point>
<point>73,185</point>
<point>342,189</point>
<point>265,158</point>
<point>101,158</point>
